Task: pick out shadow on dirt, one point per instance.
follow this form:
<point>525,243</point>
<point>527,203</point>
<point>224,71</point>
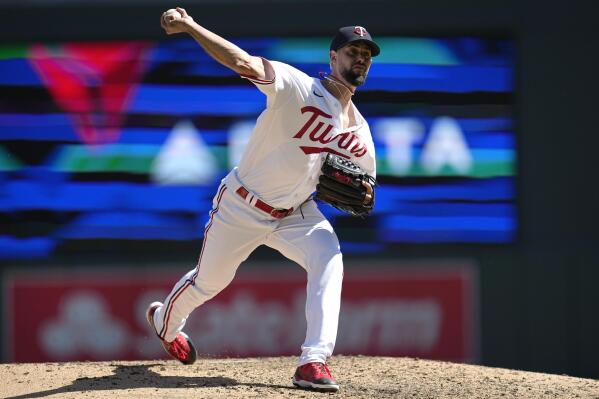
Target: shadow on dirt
<point>132,377</point>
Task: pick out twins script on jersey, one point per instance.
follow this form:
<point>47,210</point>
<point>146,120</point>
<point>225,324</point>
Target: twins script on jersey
<point>300,125</point>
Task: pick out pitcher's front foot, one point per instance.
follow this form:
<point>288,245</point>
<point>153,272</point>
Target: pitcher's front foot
<point>181,348</point>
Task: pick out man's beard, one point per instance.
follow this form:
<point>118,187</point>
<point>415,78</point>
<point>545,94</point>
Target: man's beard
<point>353,78</point>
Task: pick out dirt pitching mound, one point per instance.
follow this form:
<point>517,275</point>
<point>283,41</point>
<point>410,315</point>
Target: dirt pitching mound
<point>359,377</point>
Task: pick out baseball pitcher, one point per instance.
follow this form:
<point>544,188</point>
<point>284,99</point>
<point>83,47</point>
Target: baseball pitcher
<point>310,142</point>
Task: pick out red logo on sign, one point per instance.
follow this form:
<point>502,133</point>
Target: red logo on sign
<point>92,83</point>
<point>358,30</point>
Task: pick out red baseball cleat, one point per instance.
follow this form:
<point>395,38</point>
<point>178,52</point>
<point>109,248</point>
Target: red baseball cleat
<point>181,348</point>
<point>315,376</point>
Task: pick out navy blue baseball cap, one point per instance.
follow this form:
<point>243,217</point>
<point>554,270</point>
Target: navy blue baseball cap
<point>349,34</point>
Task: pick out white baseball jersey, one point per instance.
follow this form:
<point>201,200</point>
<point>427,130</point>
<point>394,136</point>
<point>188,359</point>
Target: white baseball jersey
<point>301,123</point>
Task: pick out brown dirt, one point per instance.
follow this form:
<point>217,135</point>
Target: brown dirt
<point>359,377</point>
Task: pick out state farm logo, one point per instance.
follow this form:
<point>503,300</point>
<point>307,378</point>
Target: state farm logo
<point>84,326</point>
<point>248,326</point>
<point>320,132</point>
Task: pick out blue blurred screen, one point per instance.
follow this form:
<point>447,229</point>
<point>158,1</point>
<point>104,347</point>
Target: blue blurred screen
<point>129,140</point>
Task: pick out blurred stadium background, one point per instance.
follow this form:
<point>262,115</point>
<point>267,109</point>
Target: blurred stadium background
<point>113,139</point>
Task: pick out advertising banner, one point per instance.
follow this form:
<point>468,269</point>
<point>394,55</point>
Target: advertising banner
<point>425,310</point>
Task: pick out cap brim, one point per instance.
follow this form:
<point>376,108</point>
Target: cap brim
<point>374,48</point>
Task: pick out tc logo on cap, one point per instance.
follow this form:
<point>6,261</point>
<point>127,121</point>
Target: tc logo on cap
<point>358,30</point>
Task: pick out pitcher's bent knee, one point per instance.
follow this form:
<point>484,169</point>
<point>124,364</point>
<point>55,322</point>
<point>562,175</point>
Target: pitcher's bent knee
<point>326,264</point>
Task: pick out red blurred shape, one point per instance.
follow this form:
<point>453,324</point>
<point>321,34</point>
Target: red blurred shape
<point>92,82</point>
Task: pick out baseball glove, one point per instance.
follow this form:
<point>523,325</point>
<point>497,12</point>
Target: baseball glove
<point>344,185</point>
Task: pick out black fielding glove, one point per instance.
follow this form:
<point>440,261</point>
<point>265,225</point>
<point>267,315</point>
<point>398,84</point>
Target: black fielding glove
<point>344,185</point>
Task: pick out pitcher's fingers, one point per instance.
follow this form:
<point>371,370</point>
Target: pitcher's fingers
<point>369,191</point>
<point>182,12</point>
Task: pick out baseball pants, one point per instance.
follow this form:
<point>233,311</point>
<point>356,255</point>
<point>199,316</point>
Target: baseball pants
<point>234,230</point>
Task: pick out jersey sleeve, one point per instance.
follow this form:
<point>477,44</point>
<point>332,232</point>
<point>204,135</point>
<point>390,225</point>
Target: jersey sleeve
<point>285,81</point>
